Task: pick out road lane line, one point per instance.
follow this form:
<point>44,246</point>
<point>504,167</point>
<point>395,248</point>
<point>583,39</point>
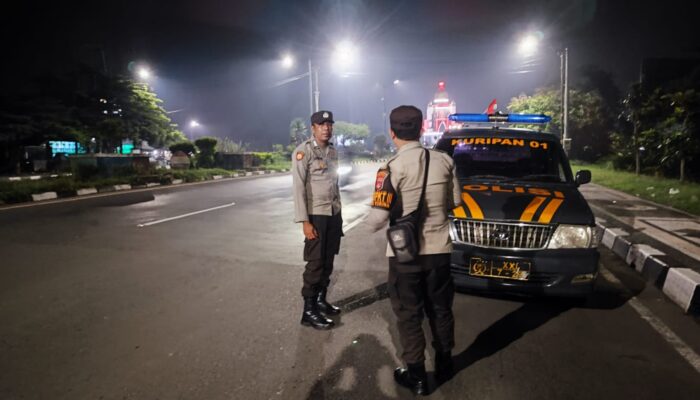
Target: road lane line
<point>184,215</point>
<point>674,340</point>
<point>354,223</point>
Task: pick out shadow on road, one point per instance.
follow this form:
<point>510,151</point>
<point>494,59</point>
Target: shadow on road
<point>533,313</point>
<point>355,374</point>
<point>363,299</point>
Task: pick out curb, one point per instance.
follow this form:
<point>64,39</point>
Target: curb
<point>381,160</point>
<point>681,285</point>
<point>33,177</point>
<point>118,188</point>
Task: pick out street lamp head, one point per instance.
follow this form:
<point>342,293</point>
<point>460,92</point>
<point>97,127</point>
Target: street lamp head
<point>143,73</point>
<point>345,56</point>
<point>396,81</point>
<point>528,45</point>
<point>287,61</point>
<point>194,123</point>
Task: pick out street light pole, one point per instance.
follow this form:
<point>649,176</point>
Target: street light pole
<point>565,98</point>
<point>317,92</point>
<point>311,90</point>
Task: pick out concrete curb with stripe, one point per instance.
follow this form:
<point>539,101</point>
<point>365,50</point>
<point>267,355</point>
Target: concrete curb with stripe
<point>681,285</point>
<point>115,188</point>
<point>381,160</point>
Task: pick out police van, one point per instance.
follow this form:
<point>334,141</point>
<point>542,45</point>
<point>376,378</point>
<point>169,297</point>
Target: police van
<point>522,226</point>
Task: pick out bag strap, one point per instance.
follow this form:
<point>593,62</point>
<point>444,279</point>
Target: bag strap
<point>425,182</point>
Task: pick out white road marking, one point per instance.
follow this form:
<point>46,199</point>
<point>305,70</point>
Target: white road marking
<point>184,215</point>
<point>678,344</point>
<point>353,224</point>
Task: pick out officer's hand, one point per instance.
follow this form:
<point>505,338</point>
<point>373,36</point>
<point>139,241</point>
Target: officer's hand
<point>309,231</point>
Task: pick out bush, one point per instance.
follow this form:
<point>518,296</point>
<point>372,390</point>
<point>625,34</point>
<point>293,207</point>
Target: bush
<point>263,158</point>
<point>207,147</point>
<point>186,147</point>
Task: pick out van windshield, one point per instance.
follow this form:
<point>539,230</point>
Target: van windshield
<point>504,158</point>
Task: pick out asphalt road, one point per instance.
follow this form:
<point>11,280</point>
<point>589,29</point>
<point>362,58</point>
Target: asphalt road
<point>109,298</point>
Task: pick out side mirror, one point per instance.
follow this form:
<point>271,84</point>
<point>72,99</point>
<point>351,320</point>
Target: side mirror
<point>582,177</point>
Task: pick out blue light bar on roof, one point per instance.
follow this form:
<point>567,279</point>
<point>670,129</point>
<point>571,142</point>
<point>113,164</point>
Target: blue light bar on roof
<point>508,118</point>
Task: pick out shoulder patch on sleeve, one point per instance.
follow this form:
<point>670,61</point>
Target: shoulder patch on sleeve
<point>382,174</point>
<point>300,155</point>
<point>384,193</point>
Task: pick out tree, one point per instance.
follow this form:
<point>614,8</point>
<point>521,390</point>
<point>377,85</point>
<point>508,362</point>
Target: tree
<point>380,145</point>
<point>680,137</point>
<point>206,146</point>
<point>228,146</point>
<point>297,132</point>
<point>26,121</point>
<point>345,131</point>
<point>590,135</point>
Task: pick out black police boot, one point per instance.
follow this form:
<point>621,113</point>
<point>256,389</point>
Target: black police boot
<point>324,306</point>
<point>413,378</point>
<point>312,317</point>
<point>444,366</point>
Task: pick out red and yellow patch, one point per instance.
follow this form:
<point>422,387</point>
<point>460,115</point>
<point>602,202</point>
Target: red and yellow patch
<point>300,155</point>
<point>384,193</point>
<point>381,176</point>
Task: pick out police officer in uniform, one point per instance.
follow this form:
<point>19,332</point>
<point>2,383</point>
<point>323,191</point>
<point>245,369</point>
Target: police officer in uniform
<point>425,284</point>
<point>317,208</point>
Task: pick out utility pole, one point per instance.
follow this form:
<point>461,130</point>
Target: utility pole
<point>317,92</point>
<point>311,90</point>
<point>564,79</point>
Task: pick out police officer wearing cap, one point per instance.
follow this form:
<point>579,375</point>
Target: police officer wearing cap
<point>317,208</point>
<point>425,284</point>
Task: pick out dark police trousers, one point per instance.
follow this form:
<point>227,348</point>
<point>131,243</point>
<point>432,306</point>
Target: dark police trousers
<point>422,286</point>
<point>320,252</point>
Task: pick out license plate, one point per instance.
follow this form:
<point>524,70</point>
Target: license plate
<point>504,269</point>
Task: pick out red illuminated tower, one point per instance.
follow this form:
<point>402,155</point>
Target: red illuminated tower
<point>438,110</point>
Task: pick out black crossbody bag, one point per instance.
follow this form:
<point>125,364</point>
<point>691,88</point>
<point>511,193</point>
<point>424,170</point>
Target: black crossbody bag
<point>402,235</point>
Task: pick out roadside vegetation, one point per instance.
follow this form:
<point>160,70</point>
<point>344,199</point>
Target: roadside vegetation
<point>670,192</point>
<point>65,186</point>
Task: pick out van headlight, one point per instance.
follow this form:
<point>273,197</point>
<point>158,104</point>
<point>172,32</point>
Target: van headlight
<point>573,237</point>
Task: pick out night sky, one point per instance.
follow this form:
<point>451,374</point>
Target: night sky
<point>218,61</point>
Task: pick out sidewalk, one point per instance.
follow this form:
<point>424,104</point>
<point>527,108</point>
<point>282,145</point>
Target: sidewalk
<point>661,243</point>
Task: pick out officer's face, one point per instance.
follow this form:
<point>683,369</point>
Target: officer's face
<point>322,132</point>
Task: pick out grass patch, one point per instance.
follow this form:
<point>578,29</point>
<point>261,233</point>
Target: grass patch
<point>670,192</point>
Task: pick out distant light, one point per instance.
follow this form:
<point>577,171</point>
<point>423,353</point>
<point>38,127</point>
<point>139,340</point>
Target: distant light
<point>194,123</point>
<point>441,85</point>
<point>441,100</point>
<point>143,73</point>
<point>396,81</point>
<point>287,61</point>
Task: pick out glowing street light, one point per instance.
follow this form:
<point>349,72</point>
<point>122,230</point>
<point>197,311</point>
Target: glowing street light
<point>528,47</point>
<point>143,73</point>
<point>287,61</point>
<point>345,55</point>
<point>194,123</point>
<point>396,82</point>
